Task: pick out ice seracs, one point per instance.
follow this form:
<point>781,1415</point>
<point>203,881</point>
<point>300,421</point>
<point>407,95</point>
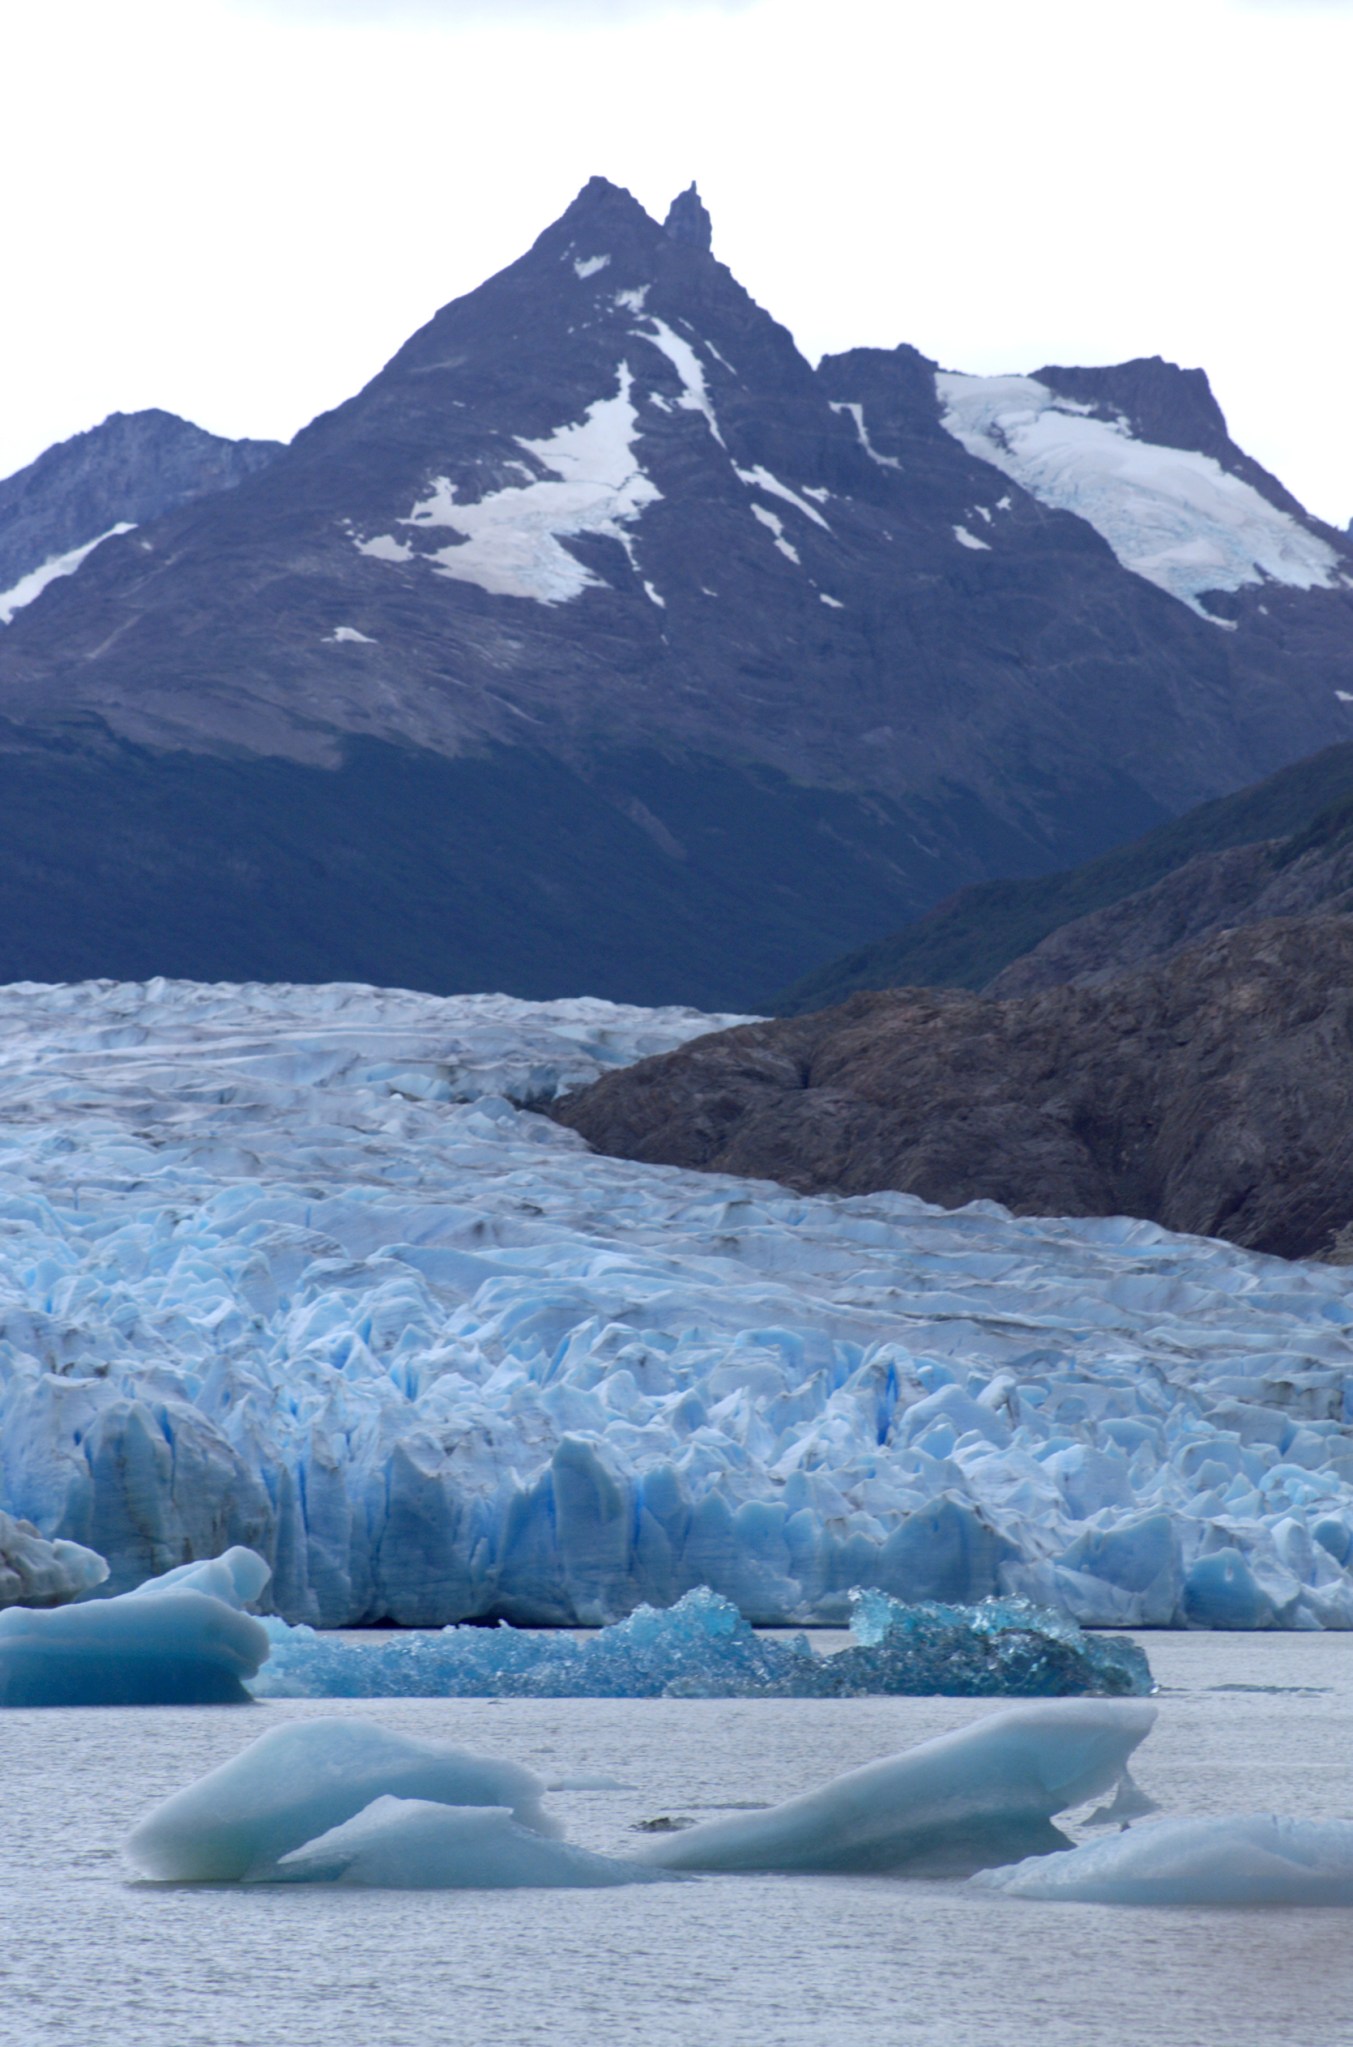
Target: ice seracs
<point>1170,514</point>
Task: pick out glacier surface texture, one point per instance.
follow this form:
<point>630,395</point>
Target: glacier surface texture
<point>289,1268</point>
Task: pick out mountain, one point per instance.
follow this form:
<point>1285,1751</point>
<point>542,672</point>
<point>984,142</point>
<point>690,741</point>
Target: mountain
<point>135,467</point>
<point>1283,848</point>
<point>601,642</point>
<point>1209,1092</point>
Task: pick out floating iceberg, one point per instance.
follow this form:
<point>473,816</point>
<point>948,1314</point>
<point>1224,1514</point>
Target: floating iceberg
<point>702,1648</point>
<point>297,1783</point>
<point>1237,1861</point>
<point>286,1267</point>
<point>38,1573</point>
<point>181,1640</point>
<point>409,1844</point>
<point>947,1807</point>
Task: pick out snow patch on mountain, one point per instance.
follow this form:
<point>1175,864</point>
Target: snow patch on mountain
<point>35,582</point>
<point>684,360</point>
<point>588,266</point>
<point>760,478</point>
<point>856,412</point>
<point>348,635</point>
<point>967,539</point>
<point>775,526</point>
<point>1171,515</point>
<point>510,542</point>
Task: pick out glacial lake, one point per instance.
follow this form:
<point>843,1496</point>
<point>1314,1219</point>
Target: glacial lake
<point>90,1959</point>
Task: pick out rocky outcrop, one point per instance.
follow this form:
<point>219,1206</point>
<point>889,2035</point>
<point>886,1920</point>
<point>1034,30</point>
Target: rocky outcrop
<point>1212,1093</point>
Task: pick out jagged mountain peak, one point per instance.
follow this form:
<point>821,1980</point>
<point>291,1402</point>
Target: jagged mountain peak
<point>688,219</point>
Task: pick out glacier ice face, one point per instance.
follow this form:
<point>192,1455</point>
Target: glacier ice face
<point>298,1782</point>
<point>288,1268</point>
<point>162,1645</point>
<point>410,1844</point>
<point>1256,1860</point>
<point>38,1573</point>
<point>702,1648</point>
<point>950,1805</point>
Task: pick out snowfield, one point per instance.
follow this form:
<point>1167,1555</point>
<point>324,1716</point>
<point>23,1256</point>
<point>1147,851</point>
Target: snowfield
<point>1169,514</point>
<point>286,1267</point>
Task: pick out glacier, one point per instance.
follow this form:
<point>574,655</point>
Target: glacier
<point>307,1270</point>
<point>1258,1859</point>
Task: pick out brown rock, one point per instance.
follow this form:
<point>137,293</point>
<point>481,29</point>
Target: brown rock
<point>1212,1092</point>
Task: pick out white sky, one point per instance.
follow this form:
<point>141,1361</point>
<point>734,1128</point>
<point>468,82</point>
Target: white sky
<point>238,209</point>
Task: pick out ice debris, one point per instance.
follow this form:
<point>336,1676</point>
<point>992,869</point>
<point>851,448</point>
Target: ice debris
<point>701,1648</point>
<point>286,1267</point>
<point>1258,1860</point>
<point>38,1573</point>
<point>949,1806</point>
<point>168,1643</point>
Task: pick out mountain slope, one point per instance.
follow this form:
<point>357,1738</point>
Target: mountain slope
<point>792,661</point>
<point>1211,868</point>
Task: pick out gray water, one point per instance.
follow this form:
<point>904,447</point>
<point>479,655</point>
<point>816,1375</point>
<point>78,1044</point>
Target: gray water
<point>1248,1723</point>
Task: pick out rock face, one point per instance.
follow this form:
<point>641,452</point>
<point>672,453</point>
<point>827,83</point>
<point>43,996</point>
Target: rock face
<point>601,642</point>
<point>1212,1093</point>
<point>135,467</point>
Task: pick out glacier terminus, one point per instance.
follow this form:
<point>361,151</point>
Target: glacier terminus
<point>310,1270</point>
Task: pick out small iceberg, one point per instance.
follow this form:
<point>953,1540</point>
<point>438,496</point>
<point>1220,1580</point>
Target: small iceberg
<point>945,1808</point>
<point>297,1783</point>
<point>1252,1860</point>
<point>180,1640</point>
<point>35,1572</point>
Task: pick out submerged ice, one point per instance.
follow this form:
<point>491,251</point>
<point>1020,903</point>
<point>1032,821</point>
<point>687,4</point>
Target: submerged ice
<point>291,1268</point>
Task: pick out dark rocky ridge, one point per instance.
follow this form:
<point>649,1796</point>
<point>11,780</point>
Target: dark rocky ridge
<point>1212,1093</point>
<point>1281,849</point>
<point>796,745</point>
<point>136,466</point>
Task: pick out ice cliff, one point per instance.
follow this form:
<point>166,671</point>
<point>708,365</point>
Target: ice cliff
<point>286,1267</point>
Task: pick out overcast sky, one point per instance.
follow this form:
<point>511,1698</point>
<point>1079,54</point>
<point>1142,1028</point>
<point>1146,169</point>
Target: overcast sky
<point>238,209</point>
